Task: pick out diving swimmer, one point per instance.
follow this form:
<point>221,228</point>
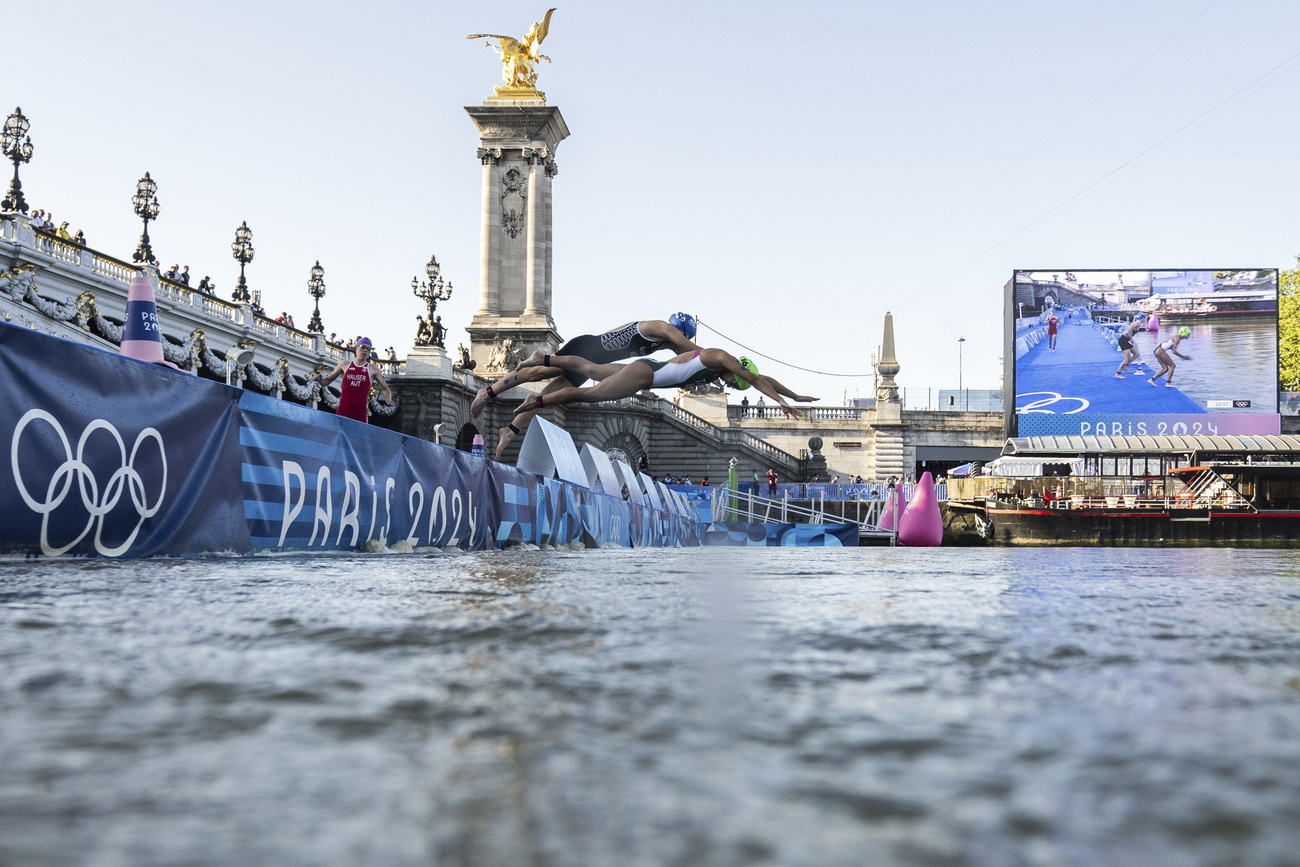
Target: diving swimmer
<point>627,341</point>
<point>616,381</point>
<point>1166,363</point>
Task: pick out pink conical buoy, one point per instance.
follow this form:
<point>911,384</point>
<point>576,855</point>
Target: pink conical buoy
<point>1153,324</point>
<point>141,338</point>
<point>921,525</point>
<point>887,523</point>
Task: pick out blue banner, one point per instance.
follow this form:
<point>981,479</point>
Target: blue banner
<point>113,457</point>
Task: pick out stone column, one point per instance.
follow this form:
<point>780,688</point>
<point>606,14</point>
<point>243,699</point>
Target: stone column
<point>489,229</point>
<point>535,232</point>
<point>551,171</point>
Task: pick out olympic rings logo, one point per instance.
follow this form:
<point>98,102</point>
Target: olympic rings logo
<point>98,503</point>
<point>1041,405</point>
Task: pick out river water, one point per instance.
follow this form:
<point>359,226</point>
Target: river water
<point>724,706</point>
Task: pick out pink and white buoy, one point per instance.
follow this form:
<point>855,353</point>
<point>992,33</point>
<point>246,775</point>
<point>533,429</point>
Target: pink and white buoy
<point>141,337</point>
<point>921,525</point>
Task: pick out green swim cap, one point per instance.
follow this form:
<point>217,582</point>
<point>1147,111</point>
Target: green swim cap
<point>748,365</point>
<point>1184,332</point>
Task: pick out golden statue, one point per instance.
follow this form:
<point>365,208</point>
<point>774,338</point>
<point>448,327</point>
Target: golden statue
<point>519,56</point>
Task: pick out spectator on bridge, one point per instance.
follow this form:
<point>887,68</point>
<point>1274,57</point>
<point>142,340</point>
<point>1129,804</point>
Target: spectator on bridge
<point>744,402</point>
<point>705,481</point>
<point>63,231</point>
<point>79,239</point>
<point>173,273</point>
<point>185,275</point>
<point>205,286</point>
<point>771,483</point>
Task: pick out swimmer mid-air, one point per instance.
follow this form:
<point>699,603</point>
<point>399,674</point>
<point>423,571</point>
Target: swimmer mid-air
<point>631,340</point>
<point>617,381</point>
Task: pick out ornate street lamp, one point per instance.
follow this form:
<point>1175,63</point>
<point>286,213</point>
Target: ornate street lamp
<point>242,250</point>
<point>316,289</point>
<point>432,292</point>
<point>17,146</point>
<point>146,208</point>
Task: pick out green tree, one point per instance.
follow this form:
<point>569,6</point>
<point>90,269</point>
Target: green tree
<point>1288,314</point>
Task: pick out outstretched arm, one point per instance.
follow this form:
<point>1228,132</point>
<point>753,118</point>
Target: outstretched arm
<point>726,363</point>
<point>802,398</point>
<point>333,374</point>
<point>657,329</point>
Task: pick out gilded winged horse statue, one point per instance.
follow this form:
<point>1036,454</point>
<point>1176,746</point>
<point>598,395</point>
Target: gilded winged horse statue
<point>520,55</point>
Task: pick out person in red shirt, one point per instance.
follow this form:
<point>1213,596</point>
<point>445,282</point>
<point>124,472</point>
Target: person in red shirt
<point>771,484</point>
<point>1052,322</point>
<point>354,397</point>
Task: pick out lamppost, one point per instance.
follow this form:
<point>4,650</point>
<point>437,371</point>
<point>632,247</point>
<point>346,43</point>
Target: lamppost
<point>17,146</point>
<point>316,289</point>
<point>432,292</point>
<point>146,208</point>
<point>242,250</point>
<point>960,341</point>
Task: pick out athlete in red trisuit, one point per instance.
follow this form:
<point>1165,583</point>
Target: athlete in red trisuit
<point>354,397</point>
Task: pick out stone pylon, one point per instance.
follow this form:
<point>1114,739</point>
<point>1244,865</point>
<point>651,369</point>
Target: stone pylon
<point>518,138</point>
<point>887,366</point>
<point>887,437</point>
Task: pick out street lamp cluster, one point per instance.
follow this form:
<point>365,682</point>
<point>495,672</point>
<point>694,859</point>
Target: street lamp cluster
<point>242,250</point>
<point>16,145</point>
<point>430,331</point>
<point>145,203</point>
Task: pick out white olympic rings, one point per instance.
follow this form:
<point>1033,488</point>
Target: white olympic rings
<point>97,503</point>
<point>1052,398</point>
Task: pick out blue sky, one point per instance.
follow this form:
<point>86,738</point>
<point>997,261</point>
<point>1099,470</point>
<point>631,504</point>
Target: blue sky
<point>787,172</point>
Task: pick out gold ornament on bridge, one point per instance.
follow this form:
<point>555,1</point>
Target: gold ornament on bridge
<point>519,58</point>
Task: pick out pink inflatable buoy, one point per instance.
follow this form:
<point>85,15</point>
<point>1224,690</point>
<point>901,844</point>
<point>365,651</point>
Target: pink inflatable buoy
<point>887,522</point>
<point>141,338</point>
<point>921,525</point>
<point>1153,324</point>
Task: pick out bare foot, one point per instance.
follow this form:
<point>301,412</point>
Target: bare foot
<point>534,360</point>
<point>504,436</point>
<point>529,405</point>
<point>484,395</point>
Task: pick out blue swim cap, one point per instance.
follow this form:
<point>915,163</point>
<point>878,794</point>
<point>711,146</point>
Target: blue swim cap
<point>748,365</point>
<point>683,322</point>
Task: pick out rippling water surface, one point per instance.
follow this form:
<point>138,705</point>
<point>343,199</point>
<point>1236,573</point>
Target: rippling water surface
<point>761,706</point>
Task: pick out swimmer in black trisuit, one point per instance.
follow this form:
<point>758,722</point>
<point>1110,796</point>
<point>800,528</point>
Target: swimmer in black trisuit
<point>627,341</point>
<point>617,381</point>
<point>1131,354</point>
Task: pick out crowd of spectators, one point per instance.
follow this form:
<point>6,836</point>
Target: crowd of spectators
<point>45,223</point>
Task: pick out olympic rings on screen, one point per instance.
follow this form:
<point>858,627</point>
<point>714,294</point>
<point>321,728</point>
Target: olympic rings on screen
<point>1052,399</point>
<point>97,502</point>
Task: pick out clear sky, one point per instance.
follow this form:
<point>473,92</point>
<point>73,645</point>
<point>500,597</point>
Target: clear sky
<point>786,171</point>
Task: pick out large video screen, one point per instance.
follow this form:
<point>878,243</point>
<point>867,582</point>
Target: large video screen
<point>1144,352</point>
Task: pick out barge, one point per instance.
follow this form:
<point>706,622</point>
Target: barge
<point>1230,492</point>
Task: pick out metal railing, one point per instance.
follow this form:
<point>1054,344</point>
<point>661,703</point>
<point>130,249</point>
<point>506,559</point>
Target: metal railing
<point>729,505</point>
